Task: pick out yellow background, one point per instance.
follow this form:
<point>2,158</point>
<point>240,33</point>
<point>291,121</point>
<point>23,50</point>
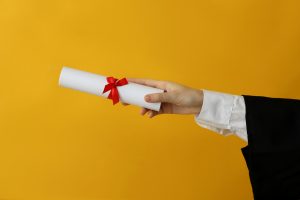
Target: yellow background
<point>57,143</point>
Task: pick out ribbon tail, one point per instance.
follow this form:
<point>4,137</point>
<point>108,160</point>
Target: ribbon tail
<point>114,95</point>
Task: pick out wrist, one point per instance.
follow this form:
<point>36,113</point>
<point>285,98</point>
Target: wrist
<point>199,101</point>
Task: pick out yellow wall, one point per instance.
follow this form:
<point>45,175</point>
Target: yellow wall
<point>57,143</point>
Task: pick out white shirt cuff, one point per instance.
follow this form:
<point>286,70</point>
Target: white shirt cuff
<point>223,113</point>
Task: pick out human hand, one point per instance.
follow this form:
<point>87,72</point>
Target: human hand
<point>177,98</point>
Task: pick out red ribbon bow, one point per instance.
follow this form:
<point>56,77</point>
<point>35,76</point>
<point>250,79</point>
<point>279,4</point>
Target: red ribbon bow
<point>112,85</point>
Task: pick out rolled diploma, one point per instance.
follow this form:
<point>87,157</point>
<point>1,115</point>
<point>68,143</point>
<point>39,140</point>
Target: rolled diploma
<point>131,93</point>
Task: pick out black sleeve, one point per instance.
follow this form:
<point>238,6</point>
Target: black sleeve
<point>273,151</point>
<point>273,124</point>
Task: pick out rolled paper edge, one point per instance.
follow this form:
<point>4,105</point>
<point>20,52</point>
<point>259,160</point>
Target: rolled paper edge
<point>60,76</point>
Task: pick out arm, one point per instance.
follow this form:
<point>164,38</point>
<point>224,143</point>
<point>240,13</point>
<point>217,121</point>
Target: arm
<point>219,112</point>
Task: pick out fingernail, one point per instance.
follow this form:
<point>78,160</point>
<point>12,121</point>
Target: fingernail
<point>147,98</point>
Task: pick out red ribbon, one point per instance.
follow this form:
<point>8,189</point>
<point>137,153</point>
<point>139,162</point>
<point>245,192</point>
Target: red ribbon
<point>112,85</point>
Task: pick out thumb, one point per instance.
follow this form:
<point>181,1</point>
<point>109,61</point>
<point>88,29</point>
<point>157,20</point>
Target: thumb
<point>160,97</point>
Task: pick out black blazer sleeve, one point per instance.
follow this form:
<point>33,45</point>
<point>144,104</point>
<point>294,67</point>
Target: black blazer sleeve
<point>273,124</point>
<point>273,151</point>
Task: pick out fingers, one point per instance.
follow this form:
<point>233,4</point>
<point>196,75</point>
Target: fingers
<point>144,111</point>
<point>152,83</point>
<point>160,97</point>
<point>150,113</point>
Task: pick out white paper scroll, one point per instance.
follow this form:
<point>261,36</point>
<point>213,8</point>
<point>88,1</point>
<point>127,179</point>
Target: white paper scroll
<point>131,93</point>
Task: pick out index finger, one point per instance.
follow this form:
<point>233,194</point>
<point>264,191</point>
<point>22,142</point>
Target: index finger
<point>148,82</point>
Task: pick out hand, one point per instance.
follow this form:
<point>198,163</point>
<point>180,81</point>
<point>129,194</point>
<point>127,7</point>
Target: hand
<point>177,98</point>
